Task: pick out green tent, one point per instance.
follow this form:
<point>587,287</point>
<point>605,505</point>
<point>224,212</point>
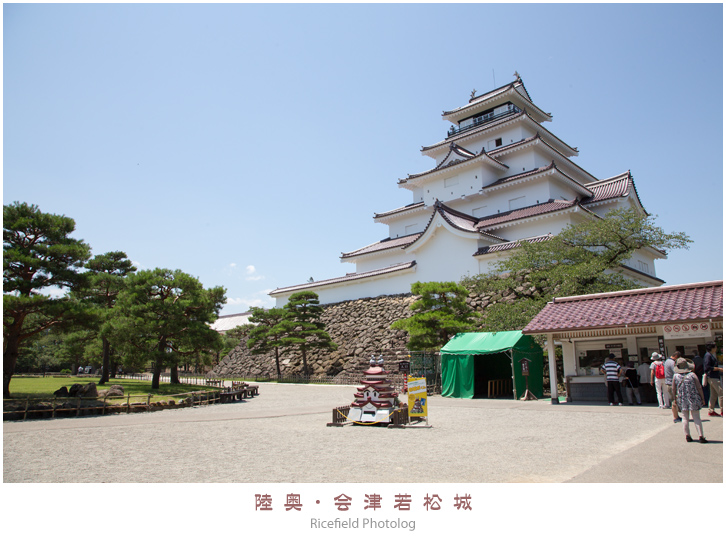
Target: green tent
<point>480,363</point>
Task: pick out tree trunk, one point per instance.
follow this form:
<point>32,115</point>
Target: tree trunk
<point>158,364</point>
<point>106,361</point>
<point>174,374</point>
<point>10,359</point>
<point>277,361</point>
<point>305,362</point>
<point>157,375</point>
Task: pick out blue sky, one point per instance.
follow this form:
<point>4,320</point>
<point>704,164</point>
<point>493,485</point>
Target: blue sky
<point>249,145</point>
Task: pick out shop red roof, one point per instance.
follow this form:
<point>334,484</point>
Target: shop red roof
<point>654,305</point>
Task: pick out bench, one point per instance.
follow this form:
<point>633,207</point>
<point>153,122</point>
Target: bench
<point>214,382</point>
<point>228,396</point>
<point>253,390</point>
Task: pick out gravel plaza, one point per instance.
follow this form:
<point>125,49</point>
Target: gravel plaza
<point>281,436</point>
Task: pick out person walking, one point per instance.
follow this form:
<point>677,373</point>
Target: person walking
<point>688,394</point>
<point>612,371</point>
<point>700,373</point>
<point>632,384</point>
<point>670,366</point>
<point>657,379</point>
<point>713,374</point>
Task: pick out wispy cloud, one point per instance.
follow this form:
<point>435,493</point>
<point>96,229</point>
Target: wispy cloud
<point>252,274</point>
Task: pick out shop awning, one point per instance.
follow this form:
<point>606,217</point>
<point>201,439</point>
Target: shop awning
<point>485,342</point>
<point>459,355</point>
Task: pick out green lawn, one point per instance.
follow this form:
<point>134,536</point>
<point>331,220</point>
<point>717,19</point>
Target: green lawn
<point>43,387</point>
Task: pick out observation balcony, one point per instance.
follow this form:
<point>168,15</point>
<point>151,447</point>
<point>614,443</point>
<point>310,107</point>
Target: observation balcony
<point>479,121</point>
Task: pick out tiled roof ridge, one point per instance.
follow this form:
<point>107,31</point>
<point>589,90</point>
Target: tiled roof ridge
<point>453,147</point>
<point>234,315</point>
<point>514,85</point>
<point>484,97</point>
<point>616,178</point>
<point>643,291</point>
<point>504,246</point>
<point>630,183</point>
<point>442,209</point>
<point>692,302</point>
<point>399,239</point>
<point>482,127</point>
<point>560,204</point>
<point>525,173</point>
<point>397,210</point>
<point>539,170</point>
<point>349,277</point>
<point>522,113</point>
<point>538,138</point>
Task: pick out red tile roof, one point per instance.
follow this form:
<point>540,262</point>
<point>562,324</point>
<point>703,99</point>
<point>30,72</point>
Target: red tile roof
<point>402,209</point>
<point>654,305</point>
<point>465,156</point>
<point>526,212</point>
<point>611,188</point>
<point>388,243</point>
<point>505,246</point>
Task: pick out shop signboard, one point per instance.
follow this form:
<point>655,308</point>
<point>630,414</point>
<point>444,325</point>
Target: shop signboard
<point>417,400</point>
<point>687,330</point>
<point>525,366</point>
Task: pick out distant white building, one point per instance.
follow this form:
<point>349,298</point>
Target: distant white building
<point>500,177</point>
<point>228,322</point>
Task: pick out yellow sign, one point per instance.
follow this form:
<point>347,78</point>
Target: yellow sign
<point>417,400</point>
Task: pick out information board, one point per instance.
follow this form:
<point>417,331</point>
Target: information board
<point>417,399</point>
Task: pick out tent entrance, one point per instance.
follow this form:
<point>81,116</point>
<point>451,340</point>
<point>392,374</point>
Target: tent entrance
<point>493,375</point>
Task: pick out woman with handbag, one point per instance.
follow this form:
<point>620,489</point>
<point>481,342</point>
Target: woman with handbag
<point>688,395</point>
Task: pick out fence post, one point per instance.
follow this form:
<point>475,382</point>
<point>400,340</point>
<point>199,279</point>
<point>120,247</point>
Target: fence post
<point>53,413</point>
<point>27,404</point>
<point>104,405</point>
<point>78,407</point>
<point>128,403</point>
<point>148,403</point>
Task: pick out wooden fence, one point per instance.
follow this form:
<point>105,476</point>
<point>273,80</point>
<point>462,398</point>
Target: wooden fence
<point>27,408</point>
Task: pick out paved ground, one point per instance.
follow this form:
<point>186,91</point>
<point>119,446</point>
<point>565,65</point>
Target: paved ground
<point>281,436</point>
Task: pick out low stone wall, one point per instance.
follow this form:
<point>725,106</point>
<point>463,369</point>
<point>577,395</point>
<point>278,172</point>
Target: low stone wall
<point>359,328</point>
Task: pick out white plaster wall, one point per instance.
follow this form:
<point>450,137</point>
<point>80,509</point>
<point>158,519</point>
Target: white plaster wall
<point>445,257</point>
<point>453,185</point>
<point>382,260</point>
<point>549,224</point>
<point>396,284</point>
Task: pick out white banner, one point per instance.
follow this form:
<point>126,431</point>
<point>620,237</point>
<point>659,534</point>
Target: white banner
<point>687,330</point>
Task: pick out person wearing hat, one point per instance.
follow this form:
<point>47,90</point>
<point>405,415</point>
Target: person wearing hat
<point>612,376</point>
<point>688,394</point>
<point>657,379</point>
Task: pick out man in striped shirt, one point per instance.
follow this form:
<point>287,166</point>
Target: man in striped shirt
<point>612,375</point>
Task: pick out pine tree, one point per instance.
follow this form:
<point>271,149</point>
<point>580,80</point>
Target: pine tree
<point>266,332</point>
<point>38,256</point>
<point>303,330</point>
<point>439,314</point>
<point>162,315</point>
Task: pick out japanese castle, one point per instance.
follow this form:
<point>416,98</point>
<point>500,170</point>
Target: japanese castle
<point>500,178</point>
